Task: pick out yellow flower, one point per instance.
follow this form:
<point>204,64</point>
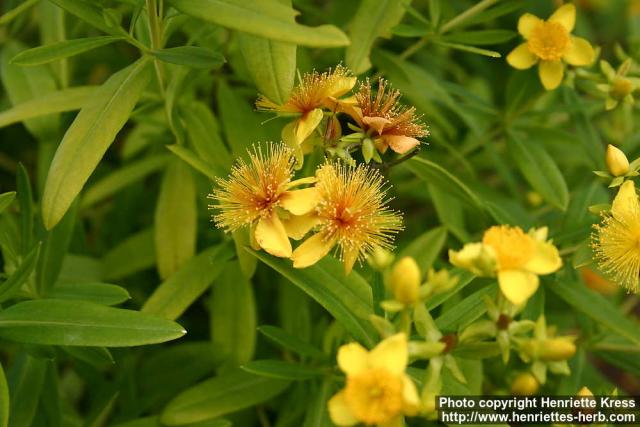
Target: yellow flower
<point>515,257</point>
<point>315,91</point>
<point>352,213</point>
<point>521,257</point>
<point>257,192</point>
<point>378,391</point>
<point>616,240</point>
<point>385,120</point>
<point>549,43</point>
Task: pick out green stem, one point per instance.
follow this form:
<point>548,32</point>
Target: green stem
<point>472,11</point>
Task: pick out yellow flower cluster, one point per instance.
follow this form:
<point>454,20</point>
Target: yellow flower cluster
<point>346,206</point>
<point>378,115</point>
<point>515,257</point>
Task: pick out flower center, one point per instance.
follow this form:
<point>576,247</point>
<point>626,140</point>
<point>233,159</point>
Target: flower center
<point>549,41</point>
<point>374,396</point>
<point>513,247</point>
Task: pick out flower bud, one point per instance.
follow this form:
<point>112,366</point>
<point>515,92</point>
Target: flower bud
<point>617,162</point>
<point>620,88</point>
<point>380,259</point>
<point>405,281</point>
<point>477,258</point>
<point>557,349</point>
<point>525,385</point>
<point>584,392</point>
<point>441,281</point>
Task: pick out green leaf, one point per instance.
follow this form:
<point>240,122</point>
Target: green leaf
<point>6,199</point>
<point>191,56</point>
<point>373,19</point>
<point>586,132</point>
<point>434,174</point>
<point>89,136</point>
<point>317,414</point>
<point>285,340</point>
<point>89,12</point>
<point>25,200</point>
<point>482,37</point>
<point>272,65</point>
<point>204,134</point>
<point>224,394</point>
<point>541,171</point>
<point>282,370</point>
<point>179,291</point>
<point>48,103</point>
<point>267,18</point>
<point>10,15</point>
<point>24,85</point>
<point>465,278</point>
<point>26,379</point>
<point>426,248</point>
<point>597,307</point>
<point>163,374</point>
<point>121,178</point>
<point>467,48</point>
<point>99,293</point>
<point>233,315</point>
<point>63,322</point>
<point>13,284</point>
<point>64,49</point>
<point>233,111</point>
<point>4,399</point>
<point>54,250</point>
<point>192,159</point>
<point>466,311</point>
<point>325,282</point>
<point>135,254</point>
<point>94,356</point>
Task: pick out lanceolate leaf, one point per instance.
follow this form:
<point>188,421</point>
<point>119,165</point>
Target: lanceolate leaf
<point>63,322</point>
<point>89,136</point>
<point>178,292</point>
<point>266,18</point>
<point>44,54</point>
<point>191,56</point>
<point>374,19</point>
<point>4,399</point>
<point>343,298</point>
<point>541,171</point>
<point>50,103</point>
<point>224,394</point>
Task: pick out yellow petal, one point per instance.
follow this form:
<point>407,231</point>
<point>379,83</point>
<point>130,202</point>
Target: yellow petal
<point>391,354</point>
<point>377,123</point>
<point>342,86</point>
<point>300,202</point>
<point>527,23</point>
<point>546,259</point>
<point>353,358</point>
<point>551,73</point>
<point>521,57</point>
<point>272,236</point>
<point>410,398</point>
<point>302,181</point>
<point>626,201</point>
<point>517,285</point>
<point>298,226</point>
<point>339,411</point>
<point>307,124</point>
<point>565,16</point>
<point>401,144</point>
<point>580,52</point>
<point>350,256</point>
<point>312,250</point>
